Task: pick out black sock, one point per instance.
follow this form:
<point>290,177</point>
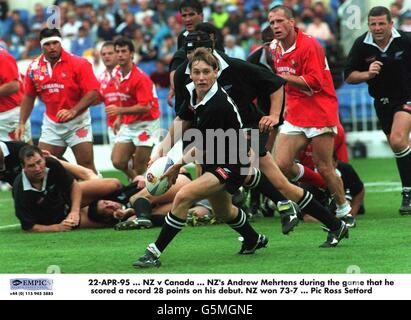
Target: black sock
<point>309,205</point>
<point>255,197</point>
<point>243,227</point>
<point>123,195</point>
<point>142,207</point>
<point>157,220</point>
<point>260,182</point>
<point>171,227</point>
<point>404,166</point>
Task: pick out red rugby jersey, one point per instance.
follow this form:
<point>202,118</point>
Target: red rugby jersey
<point>62,86</point>
<point>109,93</point>
<point>8,73</point>
<point>317,107</point>
<point>137,88</point>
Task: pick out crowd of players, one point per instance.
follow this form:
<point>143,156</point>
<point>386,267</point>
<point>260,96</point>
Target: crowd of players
<point>285,92</point>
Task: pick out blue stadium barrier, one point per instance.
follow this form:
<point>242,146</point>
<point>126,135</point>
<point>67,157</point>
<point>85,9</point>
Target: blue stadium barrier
<point>355,102</point>
<point>167,113</point>
<point>148,67</point>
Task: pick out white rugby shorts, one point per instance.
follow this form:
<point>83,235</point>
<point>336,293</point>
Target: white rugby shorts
<point>290,129</point>
<point>9,121</point>
<point>67,134</point>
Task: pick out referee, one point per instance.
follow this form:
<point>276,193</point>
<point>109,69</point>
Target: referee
<point>382,58</point>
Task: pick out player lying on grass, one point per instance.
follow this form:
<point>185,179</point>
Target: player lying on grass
<point>10,165</point>
<point>47,198</point>
<point>151,210</point>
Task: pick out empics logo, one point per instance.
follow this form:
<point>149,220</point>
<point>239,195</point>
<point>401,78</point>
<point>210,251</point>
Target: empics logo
<point>31,284</point>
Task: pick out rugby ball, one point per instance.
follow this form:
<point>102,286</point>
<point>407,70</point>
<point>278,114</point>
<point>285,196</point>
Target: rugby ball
<point>154,185</point>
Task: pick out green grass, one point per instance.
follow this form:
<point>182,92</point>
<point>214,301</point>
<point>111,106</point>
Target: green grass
<point>379,243</point>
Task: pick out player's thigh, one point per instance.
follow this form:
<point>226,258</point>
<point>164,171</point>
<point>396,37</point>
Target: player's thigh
<point>287,147</point>
<point>83,152</point>
<point>122,152</point>
<point>142,155</point>
<point>171,193</point>
<point>57,151</point>
<point>323,148</point>
<point>94,189</point>
<point>201,188</point>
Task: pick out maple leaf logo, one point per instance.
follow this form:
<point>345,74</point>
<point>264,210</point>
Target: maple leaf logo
<point>81,133</point>
<point>144,136</point>
<point>12,135</point>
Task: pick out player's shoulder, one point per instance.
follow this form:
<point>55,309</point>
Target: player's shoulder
<point>35,63</point>
<point>4,54</point>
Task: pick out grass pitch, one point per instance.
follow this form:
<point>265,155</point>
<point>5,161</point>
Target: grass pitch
<point>379,243</point>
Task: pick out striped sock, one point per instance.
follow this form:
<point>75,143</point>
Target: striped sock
<point>309,205</point>
<point>171,227</point>
<point>260,182</point>
<point>403,159</point>
<point>243,227</point>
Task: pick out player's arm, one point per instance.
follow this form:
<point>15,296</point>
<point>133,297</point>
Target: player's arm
<point>296,81</point>
<point>113,110</point>
<point>362,76</point>
<point>25,111</point>
<point>276,100</point>
<point>175,133</point>
<point>355,69</point>
<point>312,76</point>
<point>65,225</point>
<point>9,88</point>
<point>174,170</point>
<point>86,101</point>
<point>75,197</point>
<point>78,171</point>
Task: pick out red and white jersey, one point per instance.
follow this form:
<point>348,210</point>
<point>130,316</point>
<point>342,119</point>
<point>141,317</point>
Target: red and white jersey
<point>109,93</point>
<point>340,148</point>
<point>62,86</point>
<point>137,88</point>
<point>9,72</point>
<point>317,107</point>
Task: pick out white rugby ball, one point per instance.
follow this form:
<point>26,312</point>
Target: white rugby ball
<point>154,185</point>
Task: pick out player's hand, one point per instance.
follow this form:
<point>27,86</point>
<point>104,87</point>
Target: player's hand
<point>74,216</point>
<point>113,110</point>
<point>140,181</point>
<point>19,133</point>
<point>171,174</point>
<point>375,69</point>
<point>170,96</point>
<point>154,157</point>
<point>121,214</point>
<point>65,115</point>
<point>267,123</point>
<point>117,125</point>
<point>65,225</point>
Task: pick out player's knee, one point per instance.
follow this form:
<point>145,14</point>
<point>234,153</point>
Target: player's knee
<point>119,164</point>
<point>398,141</point>
<point>183,198</point>
<point>325,169</point>
<point>286,169</point>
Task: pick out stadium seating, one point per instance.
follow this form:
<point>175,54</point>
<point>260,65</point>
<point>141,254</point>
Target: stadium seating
<point>355,104</point>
